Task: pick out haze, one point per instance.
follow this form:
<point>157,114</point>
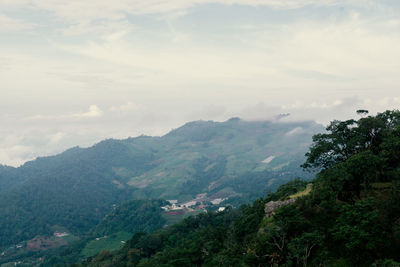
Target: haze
<point>75,72</point>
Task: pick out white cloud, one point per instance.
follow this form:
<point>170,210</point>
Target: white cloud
<point>294,131</point>
<point>8,24</point>
<point>340,109</point>
<point>314,54</point>
<point>103,29</point>
<point>49,136</point>
<point>15,155</point>
<point>93,112</point>
<point>57,137</point>
<point>75,10</point>
<point>127,107</point>
<point>174,63</point>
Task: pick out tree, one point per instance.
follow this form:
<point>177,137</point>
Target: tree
<point>346,138</point>
<point>333,147</point>
<point>300,248</point>
<point>360,231</point>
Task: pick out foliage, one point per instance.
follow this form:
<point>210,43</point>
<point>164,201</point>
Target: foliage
<point>351,217</point>
<point>288,189</point>
<point>77,188</point>
<point>109,243</point>
<point>133,216</point>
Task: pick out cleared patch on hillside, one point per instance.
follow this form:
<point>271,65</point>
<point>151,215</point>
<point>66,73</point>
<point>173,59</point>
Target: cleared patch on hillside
<point>268,160</point>
<point>109,243</point>
<point>302,193</point>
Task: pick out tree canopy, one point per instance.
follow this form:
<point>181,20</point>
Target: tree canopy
<point>351,217</point>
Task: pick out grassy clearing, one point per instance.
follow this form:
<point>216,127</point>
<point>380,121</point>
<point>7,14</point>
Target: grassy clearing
<point>108,243</point>
<point>382,185</point>
<point>173,219</point>
<point>9,264</point>
<point>302,193</point>
<point>70,238</point>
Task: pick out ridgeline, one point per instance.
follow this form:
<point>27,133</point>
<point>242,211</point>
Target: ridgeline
<point>350,217</point>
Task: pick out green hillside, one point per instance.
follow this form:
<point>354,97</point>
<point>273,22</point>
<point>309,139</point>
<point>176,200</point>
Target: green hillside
<point>132,216</point>
<point>203,156</point>
<point>111,233</point>
<point>77,188</point>
<point>350,216</point>
<point>8,179</point>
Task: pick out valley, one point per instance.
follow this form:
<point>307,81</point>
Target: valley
<point>204,166</point>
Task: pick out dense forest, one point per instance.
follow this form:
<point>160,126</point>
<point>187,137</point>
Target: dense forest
<point>133,216</point>
<point>125,220</point>
<point>77,188</point>
<point>115,228</point>
<point>351,216</point>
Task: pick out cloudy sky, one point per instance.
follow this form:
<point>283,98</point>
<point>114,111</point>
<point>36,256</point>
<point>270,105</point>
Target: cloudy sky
<point>78,71</point>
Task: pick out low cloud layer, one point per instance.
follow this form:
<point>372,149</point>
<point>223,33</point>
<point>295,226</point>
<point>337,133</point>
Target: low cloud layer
<point>98,9</point>
<point>75,72</point>
<point>43,136</point>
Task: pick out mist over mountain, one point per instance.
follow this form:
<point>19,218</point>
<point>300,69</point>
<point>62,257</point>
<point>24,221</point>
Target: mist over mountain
<point>231,162</point>
<point>188,133</point>
<point>349,215</point>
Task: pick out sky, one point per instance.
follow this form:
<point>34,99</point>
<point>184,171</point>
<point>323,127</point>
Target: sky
<point>78,71</point>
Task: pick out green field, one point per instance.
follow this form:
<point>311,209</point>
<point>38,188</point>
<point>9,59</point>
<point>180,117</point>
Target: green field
<point>302,193</point>
<point>108,243</point>
<point>173,219</point>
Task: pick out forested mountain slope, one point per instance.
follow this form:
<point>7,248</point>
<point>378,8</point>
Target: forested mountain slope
<point>133,216</point>
<point>7,178</point>
<point>113,230</point>
<point>77,188</point>
<point>351,216</point>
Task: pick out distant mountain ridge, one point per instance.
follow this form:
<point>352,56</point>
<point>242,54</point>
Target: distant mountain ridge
<point>77,188</point>
<point>349,215</point>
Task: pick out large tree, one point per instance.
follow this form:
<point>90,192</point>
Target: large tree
<point>343,139</point>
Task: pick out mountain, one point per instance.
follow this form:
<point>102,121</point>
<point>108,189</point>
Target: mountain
<point>110,234</point>
<point>201,157</point>
<point>216,160</point>
<point>133,216</point>
<point>348,216</point>
<point>8,179</point>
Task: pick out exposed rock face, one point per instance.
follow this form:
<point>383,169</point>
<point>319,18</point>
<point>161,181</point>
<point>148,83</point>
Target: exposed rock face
<point>271,206</point>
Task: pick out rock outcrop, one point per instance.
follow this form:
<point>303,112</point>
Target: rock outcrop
<point>271,206</point>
